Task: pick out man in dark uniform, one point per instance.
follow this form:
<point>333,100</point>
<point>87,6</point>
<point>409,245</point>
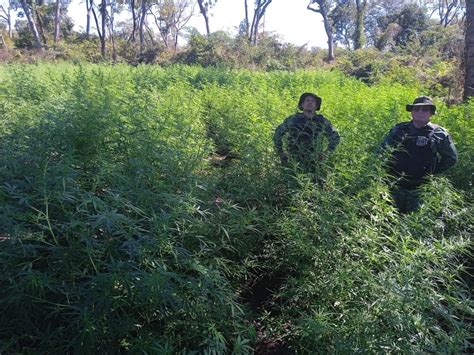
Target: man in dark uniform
<point>305,133</point>
<point>419,148</point>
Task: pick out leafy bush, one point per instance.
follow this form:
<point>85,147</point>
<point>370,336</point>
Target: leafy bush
<point>142,209</point>
<point>221,50</point>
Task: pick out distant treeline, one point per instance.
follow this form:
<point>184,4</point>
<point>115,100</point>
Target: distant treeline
<point>429,37</point>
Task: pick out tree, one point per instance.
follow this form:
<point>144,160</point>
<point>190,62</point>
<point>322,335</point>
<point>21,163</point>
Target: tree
<point>114,7</point>
<point>29,11</point>
<point>101,28</point>
<point>469,50</point>
<point>204,7</point>
<point>348,22</point>
<point>46,14</point>
<point>395,25</point>
<point>324,8</point>
<point>359,33</point>
<point>57,20</point>
<point>342,17</point>
<point>39,7</point>
<point>258,13</point>
<point>246,23</point>
<point>52,24</point>
<point>135,19</point>
<point>102,34</point>
<point>89,4</point>
<point>448,11</point>
<point>5,15</point>
<point>144,7</point>
<point>170,17</point>
<point>378,26</point>
<point>412,20</point>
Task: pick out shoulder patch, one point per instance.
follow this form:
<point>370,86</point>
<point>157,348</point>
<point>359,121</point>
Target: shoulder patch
<point>440,131</point>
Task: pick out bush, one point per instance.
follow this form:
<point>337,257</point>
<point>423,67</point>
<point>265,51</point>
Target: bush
<point>142,209</point>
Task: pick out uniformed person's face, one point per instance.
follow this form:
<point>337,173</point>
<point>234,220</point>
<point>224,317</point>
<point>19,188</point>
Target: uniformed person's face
<point>421,115</point>
<point>309,104</point>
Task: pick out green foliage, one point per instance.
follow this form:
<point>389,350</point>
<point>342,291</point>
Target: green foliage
<point>24,38</point>
<point>81,49</point>
<point>221,50</point>
<point>143,209</point>
<point>428,71</point>
<point>355,267</point>
<point>412,20</point>
<point>404,46</point>
<point>45,18</point>
<point>48,14</point>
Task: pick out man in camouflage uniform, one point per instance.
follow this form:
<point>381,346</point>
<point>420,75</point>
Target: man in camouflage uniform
<point>419,148</point>
<point>305,133</point>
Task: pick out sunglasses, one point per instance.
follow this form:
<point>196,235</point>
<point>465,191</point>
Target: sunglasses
<point>421,108</point>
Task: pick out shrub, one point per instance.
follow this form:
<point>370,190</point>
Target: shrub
<point>142,209</point>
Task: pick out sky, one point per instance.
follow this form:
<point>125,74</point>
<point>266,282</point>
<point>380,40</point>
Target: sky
<point>288,18</point>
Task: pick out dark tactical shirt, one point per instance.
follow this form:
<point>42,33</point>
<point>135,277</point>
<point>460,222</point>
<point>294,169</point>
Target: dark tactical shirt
<point>305,137</point>
<point>419,152</point>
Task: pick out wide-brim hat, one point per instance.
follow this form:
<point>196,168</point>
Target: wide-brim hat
<point>422,101</point>
<point>305,95</point>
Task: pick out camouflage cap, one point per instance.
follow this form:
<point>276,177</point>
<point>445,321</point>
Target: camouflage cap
<point>305,95</point>
<point>422,101</point>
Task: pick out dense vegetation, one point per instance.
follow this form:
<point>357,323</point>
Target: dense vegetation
<point>144,209</point>
<point>373,40</point>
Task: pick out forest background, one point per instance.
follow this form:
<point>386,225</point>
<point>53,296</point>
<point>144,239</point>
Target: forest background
<point>416,40</point>
<point>143,208</point>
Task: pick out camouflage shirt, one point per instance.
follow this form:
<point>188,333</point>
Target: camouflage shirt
<point>419,151</point>
<point>305,137</point>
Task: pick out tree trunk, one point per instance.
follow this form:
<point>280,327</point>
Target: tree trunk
<point>88,17</point>
<point>10,27</point>
<point>103,13</point>
<point>449,11</point>
<point>203,10</point>
<point>142,26</point>
<point>259,12</point>
<point>164,24</point>
<point>40,26</point>
<point>112,31</point>
<point>134,21</point>
<point>359,35</point>
<point>101,35</point>
<point>175,40</point>
<point>149,32</point>
<point>57,20</point>
<point>330,34</point>
<point>31,24</point>
<point>328,26</point>
<point>114,51</point>
<point>247,23</point>
<point>252,27</point>
<point>469,50</point>
<point>7,17</point>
